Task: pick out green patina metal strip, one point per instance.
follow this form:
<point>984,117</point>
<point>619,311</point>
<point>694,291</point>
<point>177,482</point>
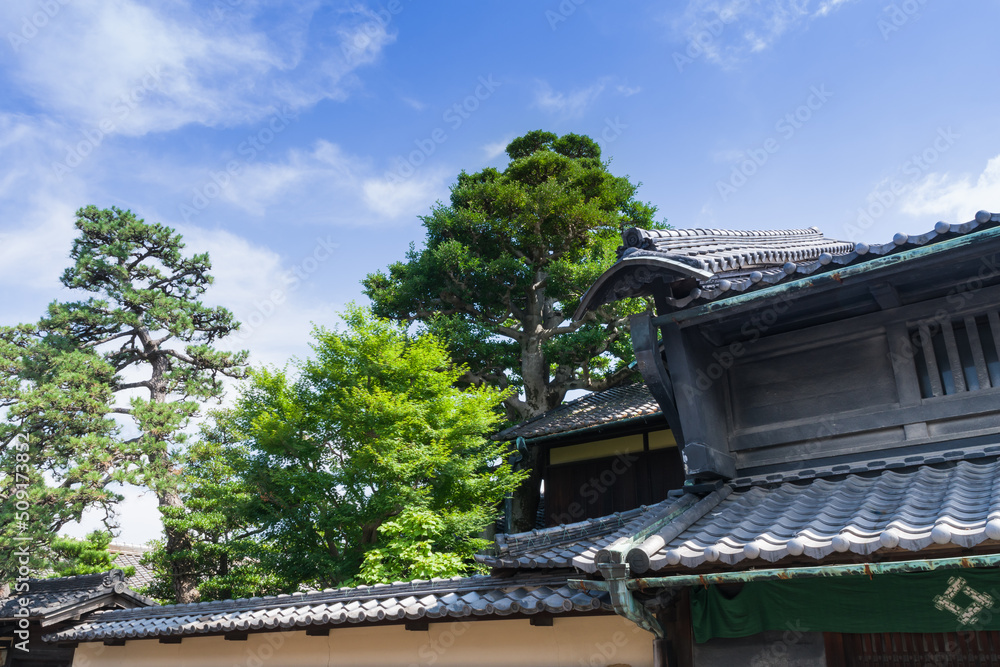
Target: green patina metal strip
<point>623,545</point>
<point>897,567</point>
<point>830,277</point>
<point>687,502</point>
<point>744,576</point>
<point>624,602</point>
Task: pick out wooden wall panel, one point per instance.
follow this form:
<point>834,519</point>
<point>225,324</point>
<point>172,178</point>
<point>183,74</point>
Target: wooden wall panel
<point>835,377</point>
<point>599,487</point>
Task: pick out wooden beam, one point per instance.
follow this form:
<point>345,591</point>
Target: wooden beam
<point>542,620</point>
<point>171,640</point>
<point>236,636</point>
<point>418,625</point>
<point>114,642</point>
<point>885,295</point>
<point>646,346</point>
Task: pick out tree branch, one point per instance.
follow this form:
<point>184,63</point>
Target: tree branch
<point>107,339</point>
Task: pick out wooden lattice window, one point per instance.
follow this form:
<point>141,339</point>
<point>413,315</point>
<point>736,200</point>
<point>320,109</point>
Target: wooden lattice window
<point>958,355</point>
<point>904,649</point>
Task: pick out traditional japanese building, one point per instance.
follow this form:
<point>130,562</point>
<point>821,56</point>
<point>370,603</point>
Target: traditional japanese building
<point>605,452</point>
<point>828,417</point>
<point>838,411</point>
<point>37,607</point>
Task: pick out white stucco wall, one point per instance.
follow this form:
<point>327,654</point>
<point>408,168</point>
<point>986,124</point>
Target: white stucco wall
<point>569,642</point>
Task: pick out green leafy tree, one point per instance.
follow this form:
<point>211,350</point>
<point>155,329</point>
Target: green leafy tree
<point>504,266</point>
<point>87,556</point>
<point>142,343</point>
<point>226,550</point>
<point>56,436</point>
<point>368,465</point>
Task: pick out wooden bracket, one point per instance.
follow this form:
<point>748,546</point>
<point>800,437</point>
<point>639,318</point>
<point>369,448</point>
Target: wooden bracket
<point>646,345</point>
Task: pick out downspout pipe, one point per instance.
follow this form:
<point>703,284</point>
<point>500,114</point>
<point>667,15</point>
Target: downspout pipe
<point>616,582</point>
<point>746,576</point>
<point>615,562</point>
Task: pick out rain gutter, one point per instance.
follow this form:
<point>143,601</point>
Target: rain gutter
<point>746,576</point>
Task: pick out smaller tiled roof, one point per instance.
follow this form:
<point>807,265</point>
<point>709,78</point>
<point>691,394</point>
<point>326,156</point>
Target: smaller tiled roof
<point>947,504</point>
<point>54,599</point>
<point>130,555</point>
<point>596,409</point>
<point>461,597</point>
<point>569,545</point>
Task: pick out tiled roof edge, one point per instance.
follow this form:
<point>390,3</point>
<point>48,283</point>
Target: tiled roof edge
<point>827,262</point>
<point>375,592</point>
<point>874,465</point>
<point>515,431</point>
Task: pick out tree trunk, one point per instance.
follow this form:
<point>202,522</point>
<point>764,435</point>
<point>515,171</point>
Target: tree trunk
<point>524,506</point>
<point>537,401</point>
<point>182,574</point>
<point>185,584</point>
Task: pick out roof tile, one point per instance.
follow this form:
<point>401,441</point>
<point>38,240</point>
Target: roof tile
<point>456,598</point>
<point>596,409</point>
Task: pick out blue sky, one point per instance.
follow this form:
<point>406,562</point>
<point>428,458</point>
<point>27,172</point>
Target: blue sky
<point>298,142</point>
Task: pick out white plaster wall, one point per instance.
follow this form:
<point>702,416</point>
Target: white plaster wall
<point>569,642</point>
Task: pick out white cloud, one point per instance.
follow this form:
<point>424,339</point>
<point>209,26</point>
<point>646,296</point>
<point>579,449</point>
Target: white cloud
<point>34,254</point>
<point>322,185</point>
<point>397,197</point>
<point>36,206</point>
<point>496,148</point>
<point>261,184</point>
<point>414,104</point>
<point>265,291</point>
<point>829,6</point>
<point>137,516</point>
<point>138,69</point>
<point>570,104</point>
<point>956,199</point>
<point>725,32</point>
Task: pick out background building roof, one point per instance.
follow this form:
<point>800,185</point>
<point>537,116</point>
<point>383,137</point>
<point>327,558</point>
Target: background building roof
<point>52,600</point>
<point>130,555</point>
<point>596,409</point>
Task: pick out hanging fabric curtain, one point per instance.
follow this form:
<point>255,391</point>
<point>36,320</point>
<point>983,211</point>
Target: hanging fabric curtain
<point>936,601</point>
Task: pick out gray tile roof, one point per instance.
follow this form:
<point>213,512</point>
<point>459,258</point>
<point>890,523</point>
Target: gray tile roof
<point>460,597</point>
<point>912,503</point>
<point>569,545</point>
<point>720,251</point>
<point>912,508</point>
<point>130,555</point>
<point>66,596</point>
<point>723,263</point>
<point>603,407</point>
